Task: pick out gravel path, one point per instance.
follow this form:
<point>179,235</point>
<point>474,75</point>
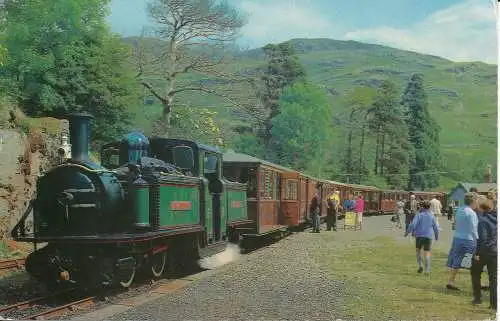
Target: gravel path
<point>266,284</point>
<point>279,282</point>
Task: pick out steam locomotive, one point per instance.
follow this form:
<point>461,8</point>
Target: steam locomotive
<point>103,225</point>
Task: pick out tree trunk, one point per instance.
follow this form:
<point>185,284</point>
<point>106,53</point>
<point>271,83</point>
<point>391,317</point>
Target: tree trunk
<point>377,153</point>
<point>361,147</point>
<point>349,146</point>
<point>382,152</point>
<point>167,114</point>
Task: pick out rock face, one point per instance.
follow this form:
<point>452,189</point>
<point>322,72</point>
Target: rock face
<point>24,155</point>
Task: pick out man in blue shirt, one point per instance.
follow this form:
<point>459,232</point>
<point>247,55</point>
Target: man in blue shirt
<point>425,227</point>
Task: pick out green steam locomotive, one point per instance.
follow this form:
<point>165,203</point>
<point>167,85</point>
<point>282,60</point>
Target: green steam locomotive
<point>152,204</point>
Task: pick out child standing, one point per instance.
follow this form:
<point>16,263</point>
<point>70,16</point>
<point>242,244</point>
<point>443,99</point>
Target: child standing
<point>424,226</point>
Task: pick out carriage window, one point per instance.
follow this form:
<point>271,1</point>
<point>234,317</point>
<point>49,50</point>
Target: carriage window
<point>290,189</point>
<point>267,184</point>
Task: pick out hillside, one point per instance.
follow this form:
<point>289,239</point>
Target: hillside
<point>462,96</point>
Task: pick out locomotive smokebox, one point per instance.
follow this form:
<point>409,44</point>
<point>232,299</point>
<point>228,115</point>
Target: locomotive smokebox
<point>80,130</point>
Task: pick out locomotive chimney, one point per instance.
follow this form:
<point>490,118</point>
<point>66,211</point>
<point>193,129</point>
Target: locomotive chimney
<point>80,129</point>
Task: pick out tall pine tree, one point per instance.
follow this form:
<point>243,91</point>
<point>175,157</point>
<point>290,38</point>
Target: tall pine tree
<point>423,134</point>
<point>283,69</point>
<point>388,125</point>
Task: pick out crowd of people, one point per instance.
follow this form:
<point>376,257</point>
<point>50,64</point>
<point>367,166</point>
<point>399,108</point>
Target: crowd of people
<point>351,204</point>
<point>474,244</point>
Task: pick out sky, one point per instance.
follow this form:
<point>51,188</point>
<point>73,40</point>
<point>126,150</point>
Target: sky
<point>453,29</point>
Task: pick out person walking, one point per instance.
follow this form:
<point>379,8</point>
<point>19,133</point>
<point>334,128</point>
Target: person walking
<point>425,227</point>
<point>410,210</point>
<point>450,211</point>
<point>400,210</point>
<point>464,238</point>
<point>333,203</point>
<point>486,252</point>
<point>359,207</point>
<point>436,208</point>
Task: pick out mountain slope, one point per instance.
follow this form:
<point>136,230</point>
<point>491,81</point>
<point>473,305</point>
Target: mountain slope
<point>462,96</point>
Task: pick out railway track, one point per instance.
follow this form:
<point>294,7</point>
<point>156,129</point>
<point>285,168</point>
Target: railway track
<point>52,305</point>
<point>12,264</point>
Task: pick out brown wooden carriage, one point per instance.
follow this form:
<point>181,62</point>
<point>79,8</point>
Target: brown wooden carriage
<point>263,192</point>
<point>294,202</point>
<point>389,199</point>
<point>371,195</point>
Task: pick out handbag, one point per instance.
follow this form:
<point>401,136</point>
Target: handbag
<point>466,261</point>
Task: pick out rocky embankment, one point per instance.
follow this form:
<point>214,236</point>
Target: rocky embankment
<point>27,148</point>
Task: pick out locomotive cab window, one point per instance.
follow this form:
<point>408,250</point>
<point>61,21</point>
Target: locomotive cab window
<point>183,157</point>
<point>211,166</point>
<point>110,158</point>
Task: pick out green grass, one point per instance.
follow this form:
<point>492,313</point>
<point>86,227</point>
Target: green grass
<point>380,277</point>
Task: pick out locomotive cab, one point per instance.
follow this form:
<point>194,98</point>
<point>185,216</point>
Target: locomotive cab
<point>205,163</point>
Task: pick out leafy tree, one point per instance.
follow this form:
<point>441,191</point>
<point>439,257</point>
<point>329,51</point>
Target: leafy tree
<point>198,124</point>
<point>194,34</point>
<point>250,144</point>
<point>283,69</point>
<point>423,133</point>
<point>359,100</point>
<point>302,129</point>
<point>386,118</point>
<point>62,58</point>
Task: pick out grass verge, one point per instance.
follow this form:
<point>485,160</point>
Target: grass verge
<point>382,283</point>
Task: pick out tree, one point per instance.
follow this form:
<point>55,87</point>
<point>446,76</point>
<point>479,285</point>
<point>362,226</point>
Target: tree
<point>283,69</point>
<point>194,34</point>
<point>423,133</point>
<point>300,133</point>
<point>198,124</point>
<point>359,100</point>
<point>386,116</point>
<point>62,58</point>
<point>250,144</point>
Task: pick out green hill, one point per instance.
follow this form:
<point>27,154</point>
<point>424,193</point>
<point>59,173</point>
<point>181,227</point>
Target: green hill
<point>462,96</point>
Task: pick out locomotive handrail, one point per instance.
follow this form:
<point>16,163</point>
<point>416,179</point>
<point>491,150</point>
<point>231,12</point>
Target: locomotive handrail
<point>16,230</point>
<point>86,168</point>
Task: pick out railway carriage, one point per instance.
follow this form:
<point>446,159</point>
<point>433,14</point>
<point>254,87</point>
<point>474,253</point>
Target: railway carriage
<point>263,193</point>
<point>370,194</point>
<point>294,199</point>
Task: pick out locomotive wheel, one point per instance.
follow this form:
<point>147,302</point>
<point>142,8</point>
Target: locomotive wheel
<point>125,277</point>
<point>158,263</point>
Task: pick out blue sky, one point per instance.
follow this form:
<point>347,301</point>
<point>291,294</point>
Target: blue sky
<point>454,29</point>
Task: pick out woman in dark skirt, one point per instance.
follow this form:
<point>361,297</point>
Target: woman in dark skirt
<point>486,253</point>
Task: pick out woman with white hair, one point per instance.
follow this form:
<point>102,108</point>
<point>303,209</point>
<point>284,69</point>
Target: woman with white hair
<point>464,238</point>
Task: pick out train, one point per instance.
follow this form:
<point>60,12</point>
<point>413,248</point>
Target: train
<point>156,204</point>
